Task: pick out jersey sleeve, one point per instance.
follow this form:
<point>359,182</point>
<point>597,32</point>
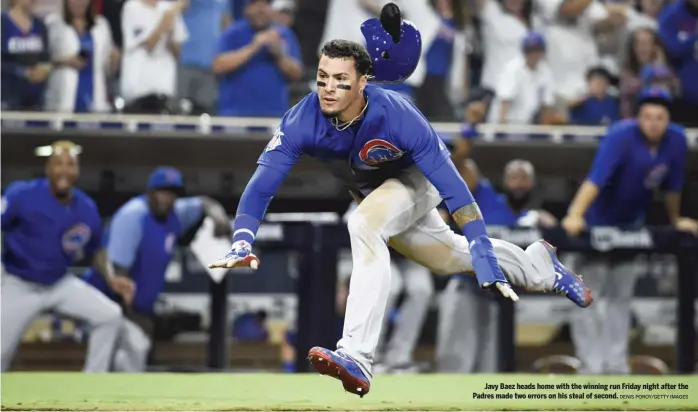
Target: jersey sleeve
<point>135,27</point>
<point>12,203</point>
<point>431,156</point>
<point>679,47</point>
<point>189,211</point>
<point>231,40</point>
<point>125,235</point>
<point>609,155</point>
<point>674,180</point>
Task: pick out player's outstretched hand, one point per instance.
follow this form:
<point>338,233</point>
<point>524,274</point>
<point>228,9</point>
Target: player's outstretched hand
<point>489,274</point>
<point>240,255</point>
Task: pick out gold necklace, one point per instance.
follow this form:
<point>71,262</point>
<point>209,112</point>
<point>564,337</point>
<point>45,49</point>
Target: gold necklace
<point>343,126</point>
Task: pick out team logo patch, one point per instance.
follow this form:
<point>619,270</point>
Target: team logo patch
<point>169,242</point>
<point>76,237</point>
<point>656,176</point>
<point>275,140</point>
<point>379,151</point>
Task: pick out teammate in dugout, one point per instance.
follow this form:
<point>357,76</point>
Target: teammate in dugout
<point>141,241</point>
<point>399,171</point>
<point>48,225</point>
<point>636,158</point>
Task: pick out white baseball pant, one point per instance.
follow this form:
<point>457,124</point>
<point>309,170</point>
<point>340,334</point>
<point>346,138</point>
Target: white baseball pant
<point>132,349</point>
<point>403,211</point>
<point>23,301</point>
<point>467,329</point>
<point>601,334</point>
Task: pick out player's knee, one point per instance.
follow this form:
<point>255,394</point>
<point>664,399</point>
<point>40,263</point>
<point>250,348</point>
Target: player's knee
<point>361,225</point>
<point>110,314</point>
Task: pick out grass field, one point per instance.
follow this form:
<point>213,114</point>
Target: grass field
<point>257,392</point>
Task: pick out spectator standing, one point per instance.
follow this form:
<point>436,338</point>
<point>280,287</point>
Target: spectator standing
<point>643,48</point>
<point>25,59</point>
<point>256,60</point>
<point>153,31</point>
<point>525,86</point>
<point>81,50</point>
<point>205,21</point>
<point>431,95</point>
<point>503,25</point>
<point>678,29</point>
<point>598,106</point>
<point>572,49</point>
<point>284,12</point>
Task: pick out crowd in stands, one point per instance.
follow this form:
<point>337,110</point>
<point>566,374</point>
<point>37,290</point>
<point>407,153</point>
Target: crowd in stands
<point>499,61</point>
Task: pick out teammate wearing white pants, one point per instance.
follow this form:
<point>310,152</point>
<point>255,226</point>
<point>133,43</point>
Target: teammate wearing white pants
<point>47,225</point>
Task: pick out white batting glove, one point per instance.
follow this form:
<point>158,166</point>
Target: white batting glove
<point>240,255</point>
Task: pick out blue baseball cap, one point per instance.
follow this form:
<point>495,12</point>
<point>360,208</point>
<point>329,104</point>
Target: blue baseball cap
<point>655,95</point>
<point>166,178</point>
<point>533,41</point>
<point>653,72</point>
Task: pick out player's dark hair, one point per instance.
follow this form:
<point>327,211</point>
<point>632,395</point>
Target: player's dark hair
<point>345,49</point>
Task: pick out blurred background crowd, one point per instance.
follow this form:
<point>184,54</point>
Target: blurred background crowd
<point>521,62</point>
<point>510,61</point>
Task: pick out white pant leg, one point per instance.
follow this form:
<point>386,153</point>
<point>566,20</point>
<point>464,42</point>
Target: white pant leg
<point>620,289</point>
<point>132,350</point>
<point>397,285</point>
<point>413,312</point>
<point>21,302</point>
<point>75,298</point>
<point>389,210</point>
<point>586,326</point>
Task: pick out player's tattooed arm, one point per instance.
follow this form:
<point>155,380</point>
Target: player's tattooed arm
<point>466,214</point>
<point>116,277</point>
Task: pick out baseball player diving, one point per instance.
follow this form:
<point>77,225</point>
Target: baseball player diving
<point>140,242</point>
<point>396,167</point>
<point>47,225</point>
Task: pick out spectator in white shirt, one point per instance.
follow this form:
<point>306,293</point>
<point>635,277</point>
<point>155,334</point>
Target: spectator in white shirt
<point>153,31</point>
<point>572,49</point>
<point>525,87</point>
<point>80,45</point>
<point>504,23</point>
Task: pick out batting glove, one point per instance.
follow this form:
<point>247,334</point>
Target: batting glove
<point>487,269</point>
<point>240,255</point>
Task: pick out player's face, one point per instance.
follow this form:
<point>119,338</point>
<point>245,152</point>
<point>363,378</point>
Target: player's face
<point>518,183</point>
<point>62,171</point>
<point>162,202</point>
<point>259,14</point>
<point>653,120</point>
<point>339,85</point>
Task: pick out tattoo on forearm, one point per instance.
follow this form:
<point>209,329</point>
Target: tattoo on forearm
<point>467,214</point>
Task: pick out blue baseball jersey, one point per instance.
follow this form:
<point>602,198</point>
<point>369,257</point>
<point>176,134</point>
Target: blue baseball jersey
<point>627,172</point>
<point>43,237</point>
<point>392,136</point>
<point>678,29</point>
<point>494,206</point>
<point>140,243</point>
<point>21,50</point>
<point>596,112</point>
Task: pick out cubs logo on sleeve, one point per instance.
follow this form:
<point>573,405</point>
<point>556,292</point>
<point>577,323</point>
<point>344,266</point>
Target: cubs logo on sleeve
<point>275,140</point>
<point>379,151</point>
<point>75,238</point>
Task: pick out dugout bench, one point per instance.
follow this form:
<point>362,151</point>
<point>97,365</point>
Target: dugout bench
<point>318,245</point>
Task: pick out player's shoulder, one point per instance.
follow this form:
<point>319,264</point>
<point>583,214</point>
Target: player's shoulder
<point>84,199</point>
<point>677,134</point>
<point>240,26</point>
<point>135,208</point>
<point>389,103</point>
<point>24,187</point>
<point>302,119</point>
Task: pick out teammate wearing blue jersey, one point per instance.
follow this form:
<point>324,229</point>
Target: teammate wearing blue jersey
<point>141,241</point>
<point>48,225</point>
<point>399,171</point>
<point>636,158</point>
